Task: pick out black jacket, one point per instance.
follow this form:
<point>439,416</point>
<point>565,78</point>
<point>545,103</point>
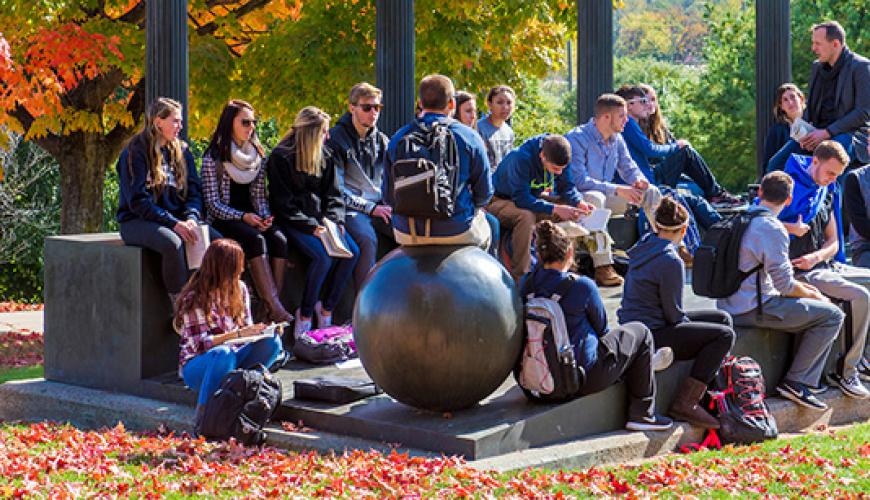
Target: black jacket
<point>300,200</point>
<point>359,162</point>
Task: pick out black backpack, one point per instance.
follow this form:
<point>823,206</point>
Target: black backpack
<point>425,172</point>
<point>716,272</point>
<point>246,400</point>
<point>743,414</point>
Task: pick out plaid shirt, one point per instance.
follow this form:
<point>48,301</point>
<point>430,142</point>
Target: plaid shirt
<point>216,192</point>
<point>198,330</point>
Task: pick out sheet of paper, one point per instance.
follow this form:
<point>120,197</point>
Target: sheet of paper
<point>573,229</point>
<point>195,251</point>
<point>348,364</point>
<point>253,338</point>
<point>597,220</point>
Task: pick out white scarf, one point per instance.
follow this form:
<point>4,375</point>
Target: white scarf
<point>245,164</point>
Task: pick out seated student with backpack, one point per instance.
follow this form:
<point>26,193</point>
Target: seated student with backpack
<point>769,296</point>
<point>654,296</point>
<point>214,308</point>
<point>606,356</point>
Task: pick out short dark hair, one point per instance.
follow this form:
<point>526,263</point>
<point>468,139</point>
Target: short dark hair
<point>629,92</point>
<point>833,31</point>
<point>556,149</point>
<point>776,187</point>
<point>827,150</point>
<point>435,91</point>
<point>608,102</point>
<point>500,89</point>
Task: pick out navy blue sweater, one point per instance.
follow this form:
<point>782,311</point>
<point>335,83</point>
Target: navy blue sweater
<point>653,291</point>
<point>777,135</point>
<point>138,201</point>
<point>584,312</point>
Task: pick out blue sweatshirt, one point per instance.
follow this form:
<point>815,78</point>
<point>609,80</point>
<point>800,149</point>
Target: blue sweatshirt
<point>641,148</point>
<point>653,291</point>
<point>585,316</point>
<point>521,177</point>
<point>138,201</point>
<point>475,180</point>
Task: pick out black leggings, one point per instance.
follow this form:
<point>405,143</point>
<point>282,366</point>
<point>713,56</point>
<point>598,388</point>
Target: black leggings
<point>253,242</point>
<point>707,338</point>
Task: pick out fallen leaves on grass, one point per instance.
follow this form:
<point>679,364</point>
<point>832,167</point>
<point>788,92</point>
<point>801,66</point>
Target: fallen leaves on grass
<point>21,348</point>
<point>6,307</point>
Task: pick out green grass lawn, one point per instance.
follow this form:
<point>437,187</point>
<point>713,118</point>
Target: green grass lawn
<point>20,372</point>
<point>50,460</point>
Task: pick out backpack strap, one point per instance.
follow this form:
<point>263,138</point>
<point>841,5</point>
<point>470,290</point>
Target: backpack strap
<point>759,309</point>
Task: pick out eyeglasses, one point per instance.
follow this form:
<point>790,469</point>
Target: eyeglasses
<point>248,123</point>
<point>639,100</point>
<point>368,107</point>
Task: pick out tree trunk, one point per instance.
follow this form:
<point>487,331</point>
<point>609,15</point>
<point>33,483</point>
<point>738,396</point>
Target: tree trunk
<point>83,160</point>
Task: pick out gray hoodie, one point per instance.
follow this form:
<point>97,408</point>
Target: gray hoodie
<point>653,291</point>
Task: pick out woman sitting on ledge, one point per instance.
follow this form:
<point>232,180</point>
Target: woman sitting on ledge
<point>624,353</point>
<point>159,205</point>
<point>214,308</point>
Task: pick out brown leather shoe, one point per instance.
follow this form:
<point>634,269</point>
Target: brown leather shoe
<point>607,276</point>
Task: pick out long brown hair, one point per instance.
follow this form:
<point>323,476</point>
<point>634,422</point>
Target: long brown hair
<point>655,127</point>
<point>306,136</point>
<point>778,114</point>
<point>162,107</point>
<point>221,141</point>
<point>216,284</point>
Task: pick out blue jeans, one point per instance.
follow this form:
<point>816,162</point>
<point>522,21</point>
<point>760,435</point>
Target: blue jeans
<point>318,269</point>
<point>366,230</point>
<point>495,230</point>
<point>687,162</point>
<point>777,161</point>
<point>204,373</point>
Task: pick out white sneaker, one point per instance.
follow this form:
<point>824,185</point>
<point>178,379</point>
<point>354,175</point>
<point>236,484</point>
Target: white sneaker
<point>851,386</point>
<point>300,326</point>
<point>864,370</point>
<point>662,359</point>
<point>322,321</point>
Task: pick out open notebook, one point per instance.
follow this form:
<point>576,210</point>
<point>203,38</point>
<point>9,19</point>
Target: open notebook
<point>333,242</point>
<point>268,332</point>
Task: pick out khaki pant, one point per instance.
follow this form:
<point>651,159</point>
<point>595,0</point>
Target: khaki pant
<point>478,235</point>
<point>522,223</point>
<point>599,245</point>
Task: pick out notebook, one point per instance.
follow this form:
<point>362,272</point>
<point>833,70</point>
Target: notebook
<point>268,332</point>
<point>333,242</point>
<point>196,250</point>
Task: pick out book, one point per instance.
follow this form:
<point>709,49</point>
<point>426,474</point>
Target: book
<point>196,250</point>
<point>267,332</point>
<point>800,128</point>
<point>597,220</point>
<point>333,242</point>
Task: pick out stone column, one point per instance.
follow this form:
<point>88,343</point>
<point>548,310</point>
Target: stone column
<point>166,53</point>
<point>395,62</point>
<point>594,54</point>
<point>772,65</point>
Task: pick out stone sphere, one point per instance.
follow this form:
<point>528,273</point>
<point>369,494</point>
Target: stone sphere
<point>438,327</point>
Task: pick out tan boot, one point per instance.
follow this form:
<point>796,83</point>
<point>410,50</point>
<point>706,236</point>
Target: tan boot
<point>265,284</point>
<point>607,276</point>
<point>686,408</point>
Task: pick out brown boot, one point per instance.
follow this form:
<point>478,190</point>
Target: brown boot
<point>265,284</point>
<point>607,276</point>
<point>279,272</point>
<point>686,408</point>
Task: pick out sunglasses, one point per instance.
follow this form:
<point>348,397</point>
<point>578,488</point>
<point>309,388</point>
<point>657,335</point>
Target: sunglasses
<point>368,107</point>
<point>247,123</point>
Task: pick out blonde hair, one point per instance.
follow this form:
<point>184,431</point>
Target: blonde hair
<point>148,139</point>
<point>306,136</point>
<point>656,128</point>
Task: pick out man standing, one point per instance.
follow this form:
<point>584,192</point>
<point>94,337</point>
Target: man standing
<point>467,225</point>
<point>839,98</point>
<point>359,148</point>
<point>813,220</point>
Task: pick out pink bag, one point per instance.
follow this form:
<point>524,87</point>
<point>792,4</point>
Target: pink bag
<point>333,335</point>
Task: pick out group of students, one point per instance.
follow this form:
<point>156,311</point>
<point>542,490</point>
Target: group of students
<point>623,156</point>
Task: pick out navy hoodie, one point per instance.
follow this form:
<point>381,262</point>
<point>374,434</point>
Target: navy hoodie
<point>585,316</point>
<point>653,291</point>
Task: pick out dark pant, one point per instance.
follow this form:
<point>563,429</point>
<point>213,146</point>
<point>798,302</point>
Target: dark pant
<point>161,239</point>
<point>777,161</point>
<point>253,242</point>
<point>495,231</point>
<point>318,269</point>
<point>366,231</point>
<point>705,214</point>
<point>689,162</point>
<point>625,354</point>
<point>707,338</point>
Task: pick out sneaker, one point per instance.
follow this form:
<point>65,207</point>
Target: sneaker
<point>800,394</point>
<point>607,276</point>
<point>322,321</point>
<point>850,386</point>
<point>818,389</point>
<point>654,423</point>
<point>725,199</point>
<point>864,370</point>
<point>300,326</point>
<point>662,359</point>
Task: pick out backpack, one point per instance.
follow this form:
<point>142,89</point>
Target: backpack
<point>425,172</point>
<point>325,346</point>
<point>245,401</point>
<point>716,272</point>
<point>547,370</point>
<point>743,415</point>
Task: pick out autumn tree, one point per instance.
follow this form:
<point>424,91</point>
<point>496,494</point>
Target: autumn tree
<point>71,74</point>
